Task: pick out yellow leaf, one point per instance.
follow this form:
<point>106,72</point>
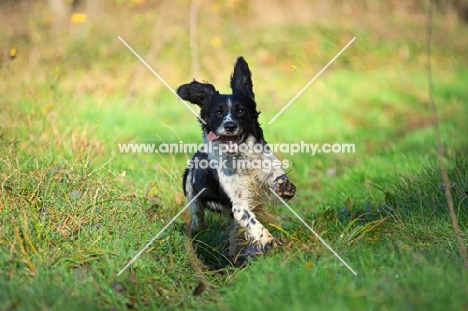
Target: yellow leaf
<point>405,247</point>
<point>47,108</point>
<point>216,42</point>
<point>78,18</point>
<point>152,193</point>
<point>12,53</point>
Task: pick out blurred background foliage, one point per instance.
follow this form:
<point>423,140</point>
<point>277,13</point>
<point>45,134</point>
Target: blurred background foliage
<point>69,67</point>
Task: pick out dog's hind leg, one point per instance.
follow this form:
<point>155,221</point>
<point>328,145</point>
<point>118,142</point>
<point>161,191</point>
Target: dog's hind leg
<point>197,223</point>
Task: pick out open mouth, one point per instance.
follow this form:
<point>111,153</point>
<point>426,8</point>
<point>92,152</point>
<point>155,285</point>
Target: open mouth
<point>231,142</point>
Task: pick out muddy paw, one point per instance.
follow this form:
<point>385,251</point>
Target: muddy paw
<point>285,188</point>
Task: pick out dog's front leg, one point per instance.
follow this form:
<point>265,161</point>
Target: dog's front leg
<point>277,178</point>
<point>236,187</point>
<point>283,187</point>
<point>255,232</point>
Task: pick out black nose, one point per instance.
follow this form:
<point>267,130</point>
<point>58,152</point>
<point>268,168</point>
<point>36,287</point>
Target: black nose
<point>230,126</point>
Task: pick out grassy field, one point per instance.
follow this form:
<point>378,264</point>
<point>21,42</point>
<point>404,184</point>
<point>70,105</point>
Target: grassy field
<point>74,210</point>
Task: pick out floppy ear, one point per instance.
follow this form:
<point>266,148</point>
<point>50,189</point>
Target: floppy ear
<point>195,92</point>
<point>241,78</point>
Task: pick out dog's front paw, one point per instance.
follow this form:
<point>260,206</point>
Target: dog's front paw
<point>284,188</point>
<point>272,243</point>
<point>256,249</point>
<point>261,247</point>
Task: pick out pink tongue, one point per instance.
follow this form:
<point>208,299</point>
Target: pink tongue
<point>212,136</point>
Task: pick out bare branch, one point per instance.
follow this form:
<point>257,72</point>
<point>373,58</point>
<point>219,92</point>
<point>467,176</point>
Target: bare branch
<point>440,148</point>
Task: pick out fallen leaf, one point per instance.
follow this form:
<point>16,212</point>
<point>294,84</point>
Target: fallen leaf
<point>117,287</point>
<point>348,204</point>
<point>199,289</point>
<point>152,193</point>
<point>179,198</point>
<point>132,278</point>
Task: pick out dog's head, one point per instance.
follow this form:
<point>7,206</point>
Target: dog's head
<point>230,118</point>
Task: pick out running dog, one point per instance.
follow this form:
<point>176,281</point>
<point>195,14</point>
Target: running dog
<point>235,170</point>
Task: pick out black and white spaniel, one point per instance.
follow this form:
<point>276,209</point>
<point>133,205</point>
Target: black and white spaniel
<point>235,169</point>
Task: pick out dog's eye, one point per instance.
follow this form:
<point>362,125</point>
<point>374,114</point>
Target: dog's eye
<point>240,111</point>
<point>219,113</point>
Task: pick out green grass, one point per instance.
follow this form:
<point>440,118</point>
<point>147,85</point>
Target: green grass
<point>74,211</point>
<point>388,279</point>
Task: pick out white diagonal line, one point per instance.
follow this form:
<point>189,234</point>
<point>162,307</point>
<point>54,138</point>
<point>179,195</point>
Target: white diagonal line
<point>315,233</point>
<point>159,233</point>
<point>161,79</point>
<point>311,81</point>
